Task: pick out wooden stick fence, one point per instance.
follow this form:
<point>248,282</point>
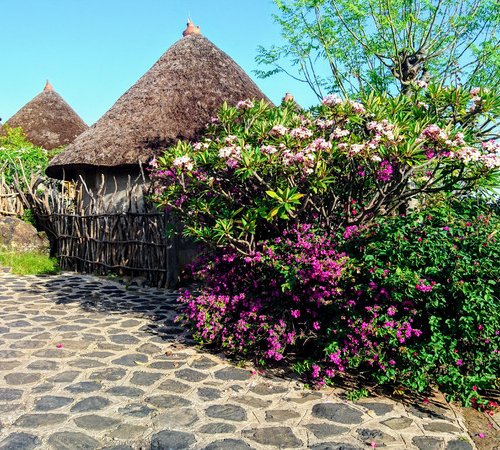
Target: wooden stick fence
<point>10,201</point>
<point>88,235</point>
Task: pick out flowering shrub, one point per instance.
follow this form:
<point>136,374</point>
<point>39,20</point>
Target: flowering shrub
<point>421,306</point>
<point>260,167</point>
<point>268,303</point>
<point>412,302</point>
<point>308,256</point>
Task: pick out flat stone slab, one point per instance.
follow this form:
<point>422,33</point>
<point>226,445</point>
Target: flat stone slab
<point>178,387</point>
<point>227,412</point>
<point>50,402</point>
<point>167,401</point>
<point>193,376</point>
<point>228,444</point>
<point>398,423</point>
<point>20,441</point>
<point>233,374</point>
<point>95,403</point>
<point>203,363</point>
<point>172,440</point>
<point>252,401</point>
<point>337,412</point>
<point>217,427</point>
<point>9,395</point>
<point>43,365</point>
<point>326,430</point>
<point>128,432</point>
<point>281,415</point>
<point>65,377</point>
<point>427,443</point>
<point>281,437</point>
<point>86,363</point>
<point>16,379</point>
<point>145,378</point>
<point>458,445</point>
<point>378,408</point>
<point>179,418</point>
<point>334,446</point>
<point>125,391</point>
<point>374,436</point>
<point>208,393</point>
<point>95,422</point>
<point>84,387</point>
<point>69,440</point>
<point>34,421</point>
<point>137,410</point>
<point>268,389</point>
<point>108,374</point>
<point>441,427</point>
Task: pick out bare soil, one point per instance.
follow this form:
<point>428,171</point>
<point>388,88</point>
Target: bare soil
<point>483,429</point>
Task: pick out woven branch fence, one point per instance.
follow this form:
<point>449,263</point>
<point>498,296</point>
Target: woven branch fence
<point>10,201</point>
<point>87,235</point>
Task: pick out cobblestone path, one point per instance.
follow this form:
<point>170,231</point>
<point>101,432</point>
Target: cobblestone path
<point>87,364</point>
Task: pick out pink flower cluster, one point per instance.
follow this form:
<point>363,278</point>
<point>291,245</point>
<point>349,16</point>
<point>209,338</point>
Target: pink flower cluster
<point>245,104</point>
<point>183,162</point>
<point>323,124</point>
<point>385,172</point>
<point>434,133</point>
<point>332,100</point>
<point>245,311</point>
<point>301,133</point>
<point>423,287</point>
<point>382,129</point>
<point>278,130</point>
<point>268,149</point>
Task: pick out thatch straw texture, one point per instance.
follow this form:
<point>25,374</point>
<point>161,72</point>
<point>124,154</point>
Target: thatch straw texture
<point>48,121</point>
<point>173,100</point>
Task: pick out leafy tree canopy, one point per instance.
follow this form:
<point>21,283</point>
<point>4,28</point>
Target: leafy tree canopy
<point>358,46</point>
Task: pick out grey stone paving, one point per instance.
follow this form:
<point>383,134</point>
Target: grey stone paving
<point>86,363</point>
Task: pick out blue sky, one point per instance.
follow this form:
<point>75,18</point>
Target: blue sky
<point>92,51</point>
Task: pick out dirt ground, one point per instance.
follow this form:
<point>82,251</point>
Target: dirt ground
<point>483,429</point>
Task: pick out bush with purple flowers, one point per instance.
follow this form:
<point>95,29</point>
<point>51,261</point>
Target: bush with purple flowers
<point>404,303</point>
<point>270,303</point>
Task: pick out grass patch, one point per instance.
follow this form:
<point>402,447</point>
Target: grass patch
<point>29,263</point>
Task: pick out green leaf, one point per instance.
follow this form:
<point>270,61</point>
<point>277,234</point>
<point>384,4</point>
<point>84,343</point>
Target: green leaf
<point>273,194</point>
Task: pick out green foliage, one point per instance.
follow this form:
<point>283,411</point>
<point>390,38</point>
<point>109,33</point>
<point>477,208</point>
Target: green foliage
<point>437,270</point>
<point>29,263</point>
<point>55,151</point>
<point>17,155</point>
<point>354,395</point>
<point>358,46</point>
<point>29,217</point>
<point>260,168</point>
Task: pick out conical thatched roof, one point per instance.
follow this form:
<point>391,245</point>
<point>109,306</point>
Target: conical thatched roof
<point>48,121</point>
<point>173,100</point>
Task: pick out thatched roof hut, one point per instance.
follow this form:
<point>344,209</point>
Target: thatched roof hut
<point>48,121</point>
<point>174,100</point>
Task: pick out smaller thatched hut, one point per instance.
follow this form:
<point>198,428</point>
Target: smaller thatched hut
<point>48,120</point>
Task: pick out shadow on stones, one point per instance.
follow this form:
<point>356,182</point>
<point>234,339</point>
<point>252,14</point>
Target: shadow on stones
<point>93,294</point>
